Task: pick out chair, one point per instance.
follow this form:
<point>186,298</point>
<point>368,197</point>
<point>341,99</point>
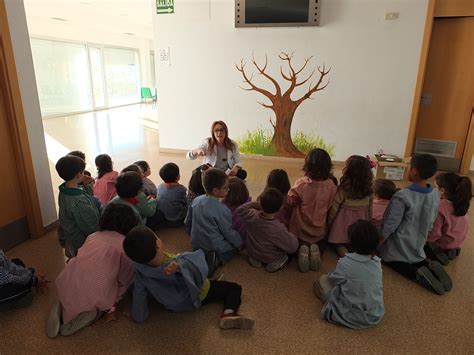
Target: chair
<point>146,94</point>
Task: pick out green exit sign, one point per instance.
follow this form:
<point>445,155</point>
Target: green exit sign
<point>164,6</point>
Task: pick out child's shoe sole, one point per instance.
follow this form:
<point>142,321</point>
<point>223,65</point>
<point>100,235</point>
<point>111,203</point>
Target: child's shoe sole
<point>438,270</point>
<point>425,278</point>
<point>81,321</point>
<point>277,265</point>
<point>254,262</point>
<point>303,258</point>
<point>54,321</point>
<point>314,257</point>
<point>237,322</point>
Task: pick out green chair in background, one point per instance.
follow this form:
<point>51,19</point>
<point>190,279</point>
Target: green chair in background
<point>147,94</point>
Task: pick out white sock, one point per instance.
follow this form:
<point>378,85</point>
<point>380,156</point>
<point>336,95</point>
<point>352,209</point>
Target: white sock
<point>228,311</point>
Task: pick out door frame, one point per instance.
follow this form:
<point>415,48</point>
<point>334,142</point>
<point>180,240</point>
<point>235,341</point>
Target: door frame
<point>438,8</point>
<point>18,131</point>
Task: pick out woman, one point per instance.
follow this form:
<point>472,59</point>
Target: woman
<point>219,151</point>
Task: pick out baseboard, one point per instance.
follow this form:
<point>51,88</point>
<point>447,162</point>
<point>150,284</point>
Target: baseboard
<point>51,227</point>
<point>253,157</point>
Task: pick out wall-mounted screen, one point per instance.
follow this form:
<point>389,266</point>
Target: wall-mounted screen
<point>268,13</point>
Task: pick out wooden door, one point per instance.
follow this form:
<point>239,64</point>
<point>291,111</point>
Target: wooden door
<point>448,88</point>
<point>20,212</point>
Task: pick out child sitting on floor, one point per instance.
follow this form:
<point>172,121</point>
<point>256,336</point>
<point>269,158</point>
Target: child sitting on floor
<point>178,282</point>
<point>129,190</point>
<point>353,201</point>
<point>311,198</point>
<point>452,222</point>
<point>104,186</point>
<point>237,196</point>
<point>353,292</point>
<point>17,283</point>
<point>97,278</point>
<point>171,198</point>
<point>278,179</point>
<point>383,191</point>
<point>149,187</point>
<point>269,242</point>
<point>78,211</point>
<point>407,222</point>
<point>210,222</point>
<point>195,187</point>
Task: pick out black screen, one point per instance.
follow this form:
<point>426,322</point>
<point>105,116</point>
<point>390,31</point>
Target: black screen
<point>276,11</point>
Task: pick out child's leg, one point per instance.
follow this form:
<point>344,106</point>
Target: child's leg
<point>230,293</point>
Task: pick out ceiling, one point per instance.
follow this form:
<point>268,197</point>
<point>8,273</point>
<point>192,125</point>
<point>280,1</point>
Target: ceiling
<point>113,16</point>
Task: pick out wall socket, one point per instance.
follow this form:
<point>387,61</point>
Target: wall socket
<point>392,15</point>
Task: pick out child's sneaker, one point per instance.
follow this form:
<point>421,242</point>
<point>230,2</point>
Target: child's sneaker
<point>81,321</point>
<point>254,262</point>
<point>54,321</point>
<point>277,264</point>
<point>314,257</point>
<point>236,321</point>
<point>433,252</point>
<point>426,279</point>
<point>303,258</point>
<point>318,291</point>
<point>438,270</point>
<point>453,253</point>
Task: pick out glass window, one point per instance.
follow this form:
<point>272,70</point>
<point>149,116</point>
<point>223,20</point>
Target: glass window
<point>122,73</point>
<point>62,76</point>
<point>97,77</point>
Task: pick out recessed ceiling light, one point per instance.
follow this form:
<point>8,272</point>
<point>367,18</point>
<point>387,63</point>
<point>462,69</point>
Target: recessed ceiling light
<point>58,18</point>
<point>129,34</point>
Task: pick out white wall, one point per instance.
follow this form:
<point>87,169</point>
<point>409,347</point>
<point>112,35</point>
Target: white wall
<point>31,108</point>
<point>366,106</point>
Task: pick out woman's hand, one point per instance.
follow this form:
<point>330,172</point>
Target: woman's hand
<point>198,152</point>
<point>234,171</point>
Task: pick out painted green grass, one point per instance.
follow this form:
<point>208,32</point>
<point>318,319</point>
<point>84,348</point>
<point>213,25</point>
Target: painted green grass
<point>258,142</point>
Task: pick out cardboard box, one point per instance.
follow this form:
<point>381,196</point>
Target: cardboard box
<point>392,170</point>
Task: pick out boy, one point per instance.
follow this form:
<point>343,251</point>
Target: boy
<point>408,219</point>
<point>210,222</point>
<point>17,282</point>
<point>353,292</point>
<point>268,240</point>
<point>149,187</point>
<point>78,211</point>
<point>129,190</point>
<point>171,197</point>
<point>177,281</point>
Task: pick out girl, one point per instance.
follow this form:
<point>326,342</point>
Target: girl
<point>220,152</point>
<point>97,278</point>
<point>353,201</point>
<point>278,179</point>
<point>195,187</point>
<point>451,225</point>
<point>311,198</point>
<point>149,187</point>
<point>104,187</point>
<point>238,195</point>
<point>383,191</point>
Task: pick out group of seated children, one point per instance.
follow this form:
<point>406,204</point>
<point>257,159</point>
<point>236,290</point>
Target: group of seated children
<point>105,226</point>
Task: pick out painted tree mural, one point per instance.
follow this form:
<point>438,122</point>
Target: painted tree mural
<point>282,104</point>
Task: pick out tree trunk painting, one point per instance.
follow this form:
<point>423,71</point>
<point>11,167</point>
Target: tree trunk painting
<point>283,106</point>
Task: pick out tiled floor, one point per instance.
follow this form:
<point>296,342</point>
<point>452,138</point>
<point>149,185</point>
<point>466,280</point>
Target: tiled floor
<point>287,313</point>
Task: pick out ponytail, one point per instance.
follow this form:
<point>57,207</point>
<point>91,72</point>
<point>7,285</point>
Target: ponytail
<point>458,190</point>
<point>462,196</point>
